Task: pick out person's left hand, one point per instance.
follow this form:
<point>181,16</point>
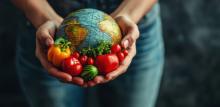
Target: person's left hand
<point>44,39</point>
<point>131,33</point>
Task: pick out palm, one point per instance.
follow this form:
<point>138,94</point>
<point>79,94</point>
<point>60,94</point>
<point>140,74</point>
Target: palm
<point>44,38</point>
<point>131,33</point>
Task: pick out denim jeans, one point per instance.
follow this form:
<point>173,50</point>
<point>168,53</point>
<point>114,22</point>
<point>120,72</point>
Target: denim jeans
<point>138,87</point>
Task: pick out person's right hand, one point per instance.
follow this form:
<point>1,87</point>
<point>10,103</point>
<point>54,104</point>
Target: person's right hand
<point>44,39</point>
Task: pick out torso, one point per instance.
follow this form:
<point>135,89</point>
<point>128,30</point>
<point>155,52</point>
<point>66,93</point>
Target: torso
<point>63,7</point>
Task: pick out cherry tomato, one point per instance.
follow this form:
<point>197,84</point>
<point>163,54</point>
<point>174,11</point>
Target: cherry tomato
<point>90,61</point>
<point>120,56</point>
<point>75,54</point>
<point>115,48</point>
<point>83,59</point>
<point>72,66</point>
<point>75,70</point>
<point>125,52</point>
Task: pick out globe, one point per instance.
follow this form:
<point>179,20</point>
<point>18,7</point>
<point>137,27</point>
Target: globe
<point>88,27</point>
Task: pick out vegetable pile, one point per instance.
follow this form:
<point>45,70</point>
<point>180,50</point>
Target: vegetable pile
<point>87,62</point>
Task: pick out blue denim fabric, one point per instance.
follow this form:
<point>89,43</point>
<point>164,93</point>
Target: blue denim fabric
<point>138,87</point>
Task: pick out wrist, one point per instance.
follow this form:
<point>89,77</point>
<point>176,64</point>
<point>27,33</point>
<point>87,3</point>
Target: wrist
<point>38,20</point>
<point>129,15</point>
<point>58,21</point>
<point>117,14</point>
<point>135,10</point>
<point>38,12</point>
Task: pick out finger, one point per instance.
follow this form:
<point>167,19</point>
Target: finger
<point>91,83</point>
<point>55,72</point>
<point>46,33</point>
<point>131,36</point>
<point>124,65</point>
<point>129,29</point>
<point>120,70</point>
<point>100,79</point>
<point>85,85</point>
<point>52,70</point>
<point>78,81</point>
<point>50,27</point>
<point>44,37</point>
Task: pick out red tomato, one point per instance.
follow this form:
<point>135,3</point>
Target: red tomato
<point>107,63</point>
<point>75,54</point>
<point>90,61</point>
<point>125,52</point>
<point>83,59</point>
<point>72,66</point>
<point>121,56</point>
<point>115,48</point>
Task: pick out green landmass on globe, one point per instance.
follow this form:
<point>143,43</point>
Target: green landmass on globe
<point>87,27</point>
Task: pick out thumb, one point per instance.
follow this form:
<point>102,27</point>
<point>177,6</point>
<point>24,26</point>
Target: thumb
<point>130,37</point>
<point>49,41</point>
<point>45,35</point>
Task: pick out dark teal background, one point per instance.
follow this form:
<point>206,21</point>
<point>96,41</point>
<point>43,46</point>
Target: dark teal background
<point>192,69</point>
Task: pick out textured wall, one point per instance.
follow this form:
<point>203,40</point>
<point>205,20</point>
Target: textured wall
<point>192,36</point>
<point>10,94</point>
<point>192,39</point>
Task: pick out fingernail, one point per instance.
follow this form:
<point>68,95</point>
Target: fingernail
<point>108,77</point>
<point>69,79</point>
<point>125,44</point>
<point>85,85</point>
<point>97,82</point>
<point>49,42</point>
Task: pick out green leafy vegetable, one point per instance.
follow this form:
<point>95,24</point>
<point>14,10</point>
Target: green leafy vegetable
<point>102,48</point>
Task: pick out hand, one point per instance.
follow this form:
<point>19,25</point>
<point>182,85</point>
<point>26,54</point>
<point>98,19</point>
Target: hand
<point>131,32</point>
<point>44,39</point>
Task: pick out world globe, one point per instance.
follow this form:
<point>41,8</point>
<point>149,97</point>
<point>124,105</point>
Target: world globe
<point>88,27</point>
